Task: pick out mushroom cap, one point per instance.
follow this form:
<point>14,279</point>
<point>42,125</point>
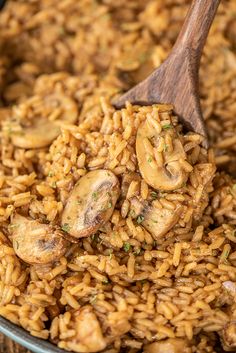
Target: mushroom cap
<point>36,243</point>
<point>167,174</point>
<point>91,203</point>
<point>88,336</point>
<point>157,221</point>
<point>39,135</point>
<point>40,132</point>
<point>170,345</point>
<point>228,336</point>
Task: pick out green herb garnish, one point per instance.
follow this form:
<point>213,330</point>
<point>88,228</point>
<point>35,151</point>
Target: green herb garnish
<point>109,204</point>
<point>126,247</point>
<point>167,126</point>
<point>154,195</point>
<point>149,159</point>
<point>65,227</point>
<point>95,196</point>
<point>140,219</point>
<point>165,149</point>
<point>50,174</point>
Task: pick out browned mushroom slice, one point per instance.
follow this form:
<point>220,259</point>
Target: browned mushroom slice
<point>38,135</point>
<point>157,221</point>
<point>88,336</point>
<point>170,345</point>
<point>228,337</point>
<point>91,203</point>
<point>40,132</point>
<point>36,243</point>
<point>230,287</point>
<point>162,169</point>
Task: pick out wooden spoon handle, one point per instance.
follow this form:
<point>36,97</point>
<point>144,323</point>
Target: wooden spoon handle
<point>193,34</point>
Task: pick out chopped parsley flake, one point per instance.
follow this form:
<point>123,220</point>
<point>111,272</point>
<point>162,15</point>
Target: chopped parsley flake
<point>109,205</point>
<point>126,247</point>
<point>140,219</point>
<point>149,159</point>
<point>165,147</point>
<point>95,196</point>
<point>50,174</point>
<point>65,227</point>
<point>167,126</point>
<point>154,195</point>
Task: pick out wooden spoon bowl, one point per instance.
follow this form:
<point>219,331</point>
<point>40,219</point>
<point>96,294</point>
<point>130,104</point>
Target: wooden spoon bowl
<point>176,80</point>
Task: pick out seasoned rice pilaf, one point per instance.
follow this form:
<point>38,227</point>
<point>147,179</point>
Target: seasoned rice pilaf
<point>117,226</point>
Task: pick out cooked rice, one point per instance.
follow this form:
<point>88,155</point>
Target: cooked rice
<point>65,61</point>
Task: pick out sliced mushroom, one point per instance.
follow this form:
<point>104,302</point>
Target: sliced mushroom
<point>89,337</point>
<point>228,337</point>
<point>38,135</point>
<point>230,287</point>
<point>40,131</point>
<point>157,221</point>
<point>36,243</point>
<point>91,203</point>
<point>170,345</point>
<point>166,173</point>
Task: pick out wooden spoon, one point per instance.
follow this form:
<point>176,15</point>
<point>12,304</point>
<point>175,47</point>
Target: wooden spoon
<point>2,3</point>
<point>176,80</point>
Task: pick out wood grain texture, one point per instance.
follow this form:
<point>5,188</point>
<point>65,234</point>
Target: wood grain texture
<point>176,80</point>
<point>9,346</point>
